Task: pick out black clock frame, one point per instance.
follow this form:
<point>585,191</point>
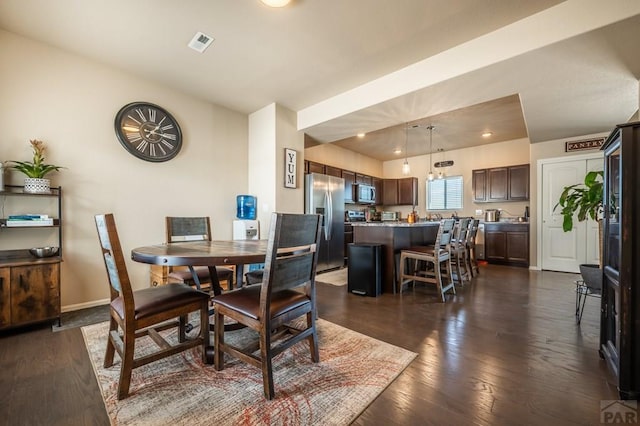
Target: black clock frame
<point>151,139</point>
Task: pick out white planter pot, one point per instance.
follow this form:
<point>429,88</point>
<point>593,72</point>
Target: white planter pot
<point>37,186</point>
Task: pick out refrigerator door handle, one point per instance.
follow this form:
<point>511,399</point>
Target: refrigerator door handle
<point>328,204</point>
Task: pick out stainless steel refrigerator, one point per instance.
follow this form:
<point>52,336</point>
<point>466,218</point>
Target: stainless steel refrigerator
<point>325,195</point>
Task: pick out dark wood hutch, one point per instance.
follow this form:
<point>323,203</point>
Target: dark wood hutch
<point>620,310</point>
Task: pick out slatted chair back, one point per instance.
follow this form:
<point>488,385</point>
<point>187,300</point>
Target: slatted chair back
<point>460,233</point>
<point>182,229</point>
<point>119,283</point>
<point>446,231</point>
<point>292,254</point>
<point>473,230</point>
<point>152,310</point>
<point>288,281</point>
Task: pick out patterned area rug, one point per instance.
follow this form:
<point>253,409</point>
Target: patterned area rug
<point>338,277</point>
<point>180,390</point>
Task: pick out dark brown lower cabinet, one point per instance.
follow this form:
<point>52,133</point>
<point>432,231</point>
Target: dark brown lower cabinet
<point>29,294</point>
<point>507,243</point>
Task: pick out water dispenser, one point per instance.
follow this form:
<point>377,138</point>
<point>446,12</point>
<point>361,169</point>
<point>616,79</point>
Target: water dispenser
<point>246,207</point>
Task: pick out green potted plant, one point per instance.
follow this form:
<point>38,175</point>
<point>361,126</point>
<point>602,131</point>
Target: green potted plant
<point>585,201</point>
<point>35,170</point>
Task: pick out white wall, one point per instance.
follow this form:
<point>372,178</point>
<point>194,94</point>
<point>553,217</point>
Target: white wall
<point>289,200</point>
<point>70,103</point>
<point>262,163</point>
<point>271,130</point>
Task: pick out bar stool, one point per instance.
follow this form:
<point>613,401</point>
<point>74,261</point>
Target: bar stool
<point>434,257</point>
<point>472,261</point>
<point>458,252</point>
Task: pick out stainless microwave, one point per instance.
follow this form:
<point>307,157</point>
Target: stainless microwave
<point>365,194</point>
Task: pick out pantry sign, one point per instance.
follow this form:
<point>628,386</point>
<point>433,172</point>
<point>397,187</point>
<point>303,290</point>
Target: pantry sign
<point>583,145</point>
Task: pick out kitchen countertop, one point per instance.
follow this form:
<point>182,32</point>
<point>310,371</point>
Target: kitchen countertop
<point>432,222</point>
<point>396,224</point>
<point>507,222</point>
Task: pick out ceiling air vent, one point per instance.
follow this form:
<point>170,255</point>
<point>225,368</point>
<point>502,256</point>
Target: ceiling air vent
<point>200,42</point>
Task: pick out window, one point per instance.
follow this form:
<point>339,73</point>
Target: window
<point>445,194</point>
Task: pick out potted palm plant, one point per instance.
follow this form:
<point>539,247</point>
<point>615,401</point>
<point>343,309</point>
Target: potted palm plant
<point>35,170</point>
<point>585,201</point>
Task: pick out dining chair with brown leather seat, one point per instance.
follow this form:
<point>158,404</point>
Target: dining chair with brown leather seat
<point>287,292</point>
<point>185,229</point>
<point>146,312</point>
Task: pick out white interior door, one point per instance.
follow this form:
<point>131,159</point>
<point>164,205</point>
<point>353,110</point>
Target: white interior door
<point>564,251</point>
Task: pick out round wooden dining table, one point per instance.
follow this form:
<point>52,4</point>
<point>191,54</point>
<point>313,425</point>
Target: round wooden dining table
<point>205,253</point>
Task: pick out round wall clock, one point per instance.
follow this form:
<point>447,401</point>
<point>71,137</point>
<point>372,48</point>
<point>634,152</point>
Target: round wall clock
<point>148,131</point>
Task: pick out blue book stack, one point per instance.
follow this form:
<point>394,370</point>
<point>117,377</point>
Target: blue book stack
<point>29,220</point>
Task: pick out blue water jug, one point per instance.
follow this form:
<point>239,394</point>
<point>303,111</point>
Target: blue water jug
<point>246,207</point>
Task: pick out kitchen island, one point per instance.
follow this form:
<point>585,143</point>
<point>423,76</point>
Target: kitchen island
<point>394,236</point>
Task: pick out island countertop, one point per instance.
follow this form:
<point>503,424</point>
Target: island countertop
<point>393,237</point>
<point>397,224</point>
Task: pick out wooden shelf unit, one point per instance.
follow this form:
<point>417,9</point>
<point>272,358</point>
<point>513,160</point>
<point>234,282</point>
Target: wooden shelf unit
<point>29,286</point>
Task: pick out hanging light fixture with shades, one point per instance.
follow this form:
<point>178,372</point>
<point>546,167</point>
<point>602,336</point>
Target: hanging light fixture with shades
<point>430,127</point>
<point>405,166</point>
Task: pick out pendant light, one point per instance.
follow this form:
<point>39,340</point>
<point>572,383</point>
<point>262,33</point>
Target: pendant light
<point>430,176</point>
<point>440,172</point>
<point>405,166</point>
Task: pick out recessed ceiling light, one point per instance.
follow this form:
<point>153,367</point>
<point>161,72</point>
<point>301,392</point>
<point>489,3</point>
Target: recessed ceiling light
<point>276,3</point>
<point>360,135</point>
<point>487,134</point>
<point>397,151</point>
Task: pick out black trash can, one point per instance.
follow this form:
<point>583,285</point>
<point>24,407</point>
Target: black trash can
<point>365,269</point>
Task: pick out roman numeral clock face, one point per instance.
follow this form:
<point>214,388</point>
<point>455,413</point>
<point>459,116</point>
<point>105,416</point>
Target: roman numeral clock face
<point>148,131</point>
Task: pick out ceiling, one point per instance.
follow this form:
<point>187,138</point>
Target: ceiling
<point>345,66</point>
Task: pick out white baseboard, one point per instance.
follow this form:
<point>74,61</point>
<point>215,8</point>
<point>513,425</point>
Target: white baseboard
<point>79,306</point>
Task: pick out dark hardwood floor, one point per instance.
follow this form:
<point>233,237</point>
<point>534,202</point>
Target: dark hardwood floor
<point>504,351</point>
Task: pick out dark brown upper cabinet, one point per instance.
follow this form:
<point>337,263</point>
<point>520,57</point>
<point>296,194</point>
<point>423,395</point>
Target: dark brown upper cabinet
<point>349,180</point>
<point>316,167</point>
<point>333,171</point>
<point>360,178</point>
<point>500,184</point>
<point>400,192</point>
<point>519,183</point>
<point>479,186</point>
<point>377,183</point>
<point>408,191</point>
<point>389,192</point>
